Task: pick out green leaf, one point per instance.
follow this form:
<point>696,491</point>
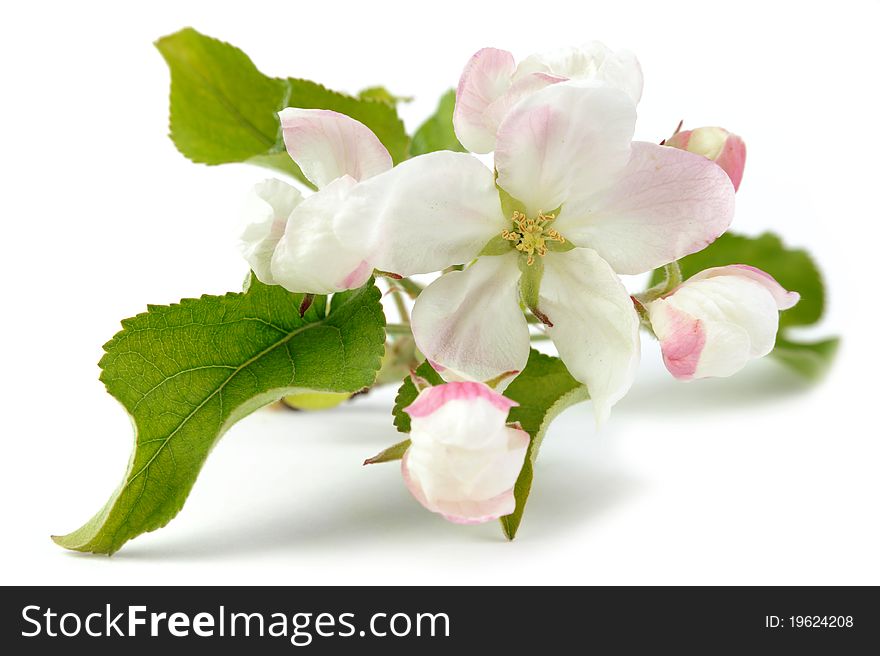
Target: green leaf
<point>810,359</point>
<point>543,390</point>
<point>408,393</point>
<point>222,108</point>
<point>186,372</point>
<point>381,94</point>
<point>793,268</point>
<point>225,110</point>
<point>394,452</point>
<point>437,133</point>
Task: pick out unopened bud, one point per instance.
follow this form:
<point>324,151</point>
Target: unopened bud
<point>724,148</point>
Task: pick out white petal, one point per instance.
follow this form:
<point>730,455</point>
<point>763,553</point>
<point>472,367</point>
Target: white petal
<point>784,298</point>
<point>485,79</point>
<point>309,258</point>
<point>595,326</point>
<point>712,326</point>
<point>567,138</point>
<point>470,321</point>
<point>424,215</point>
<point>593,61</point>
<point>665,204</point>
<point>327,145</point>
<point>266,210</point>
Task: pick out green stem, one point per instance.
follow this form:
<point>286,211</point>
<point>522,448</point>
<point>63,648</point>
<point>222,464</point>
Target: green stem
<point>398,329</point>
<point>409,286</point>
<point>400,305</point>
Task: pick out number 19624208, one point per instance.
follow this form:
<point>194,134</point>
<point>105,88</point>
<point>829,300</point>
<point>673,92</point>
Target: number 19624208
<point>821,621</point>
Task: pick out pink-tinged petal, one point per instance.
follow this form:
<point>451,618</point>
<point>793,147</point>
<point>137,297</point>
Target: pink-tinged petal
<point>327,145</point>
<point>470,321</point>
<point>682,342</point>
<point>784,298</point>
<point>424,215</point>
<point>465,512</point>
<point>485,78</point>
<point>733,159</point>
<point>595,326</point>
<point>519,89</point>
<point>266,212</point>
<point>665,204</point>
<point>309,258</point>
<point>358,276</point>
<point>434,398</point>
<point>563,140</point>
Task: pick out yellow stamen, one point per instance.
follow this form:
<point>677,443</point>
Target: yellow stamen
<point>531,235</point>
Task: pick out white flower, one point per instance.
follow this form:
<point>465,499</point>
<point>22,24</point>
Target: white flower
<point>492,83</point>
<point>718,320</point>
<point>290,240</point>
<point>464,459</point>
<point>592,204</point>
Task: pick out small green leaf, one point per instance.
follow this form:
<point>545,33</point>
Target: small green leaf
<point>810,359</point>
<point>186,372</point>
<point>543,390</point>
<point>437,133</point>
<point>408,393</point>
<point>793,268</point>
<point>390,454</point>
<point>498,245</point>
<point>381,94</point>
<point>224,110</point>
<point>509,204</point>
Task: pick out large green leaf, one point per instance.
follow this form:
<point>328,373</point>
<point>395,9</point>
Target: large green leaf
<point>543,390</point>
<point>437,133</point>
<point>225,110</point>
<point>810,359</point>
<point>793,268</point>
<point>186,372</point>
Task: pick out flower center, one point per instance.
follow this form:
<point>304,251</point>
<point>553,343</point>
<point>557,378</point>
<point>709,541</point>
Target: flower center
<point>530,236</point>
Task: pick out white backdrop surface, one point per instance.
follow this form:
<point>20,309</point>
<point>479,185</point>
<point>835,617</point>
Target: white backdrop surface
<point>754,479</point>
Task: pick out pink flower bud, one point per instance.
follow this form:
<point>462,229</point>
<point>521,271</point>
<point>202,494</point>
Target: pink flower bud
<point>463,460</point>
<point>722,147</point>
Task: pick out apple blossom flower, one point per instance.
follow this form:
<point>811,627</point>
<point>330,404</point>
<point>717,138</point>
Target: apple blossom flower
<point>718,320</point>
<point>492,83</point>
<point>464,459</point>
<point>582,204</point>
<point>725,149</point>
<point>290,239</point>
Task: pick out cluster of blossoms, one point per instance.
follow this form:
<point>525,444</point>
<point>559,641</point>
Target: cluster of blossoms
<point>571,203</point>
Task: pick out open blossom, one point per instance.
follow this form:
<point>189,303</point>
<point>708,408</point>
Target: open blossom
<point>590,204</point>
<point>290,240</point>
<point>492,83</point>
<point>718,320</point>
<point>464,459</point>
<point>725,149</point>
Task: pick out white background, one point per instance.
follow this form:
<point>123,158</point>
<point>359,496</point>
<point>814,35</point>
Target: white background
<point>754,479</point>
